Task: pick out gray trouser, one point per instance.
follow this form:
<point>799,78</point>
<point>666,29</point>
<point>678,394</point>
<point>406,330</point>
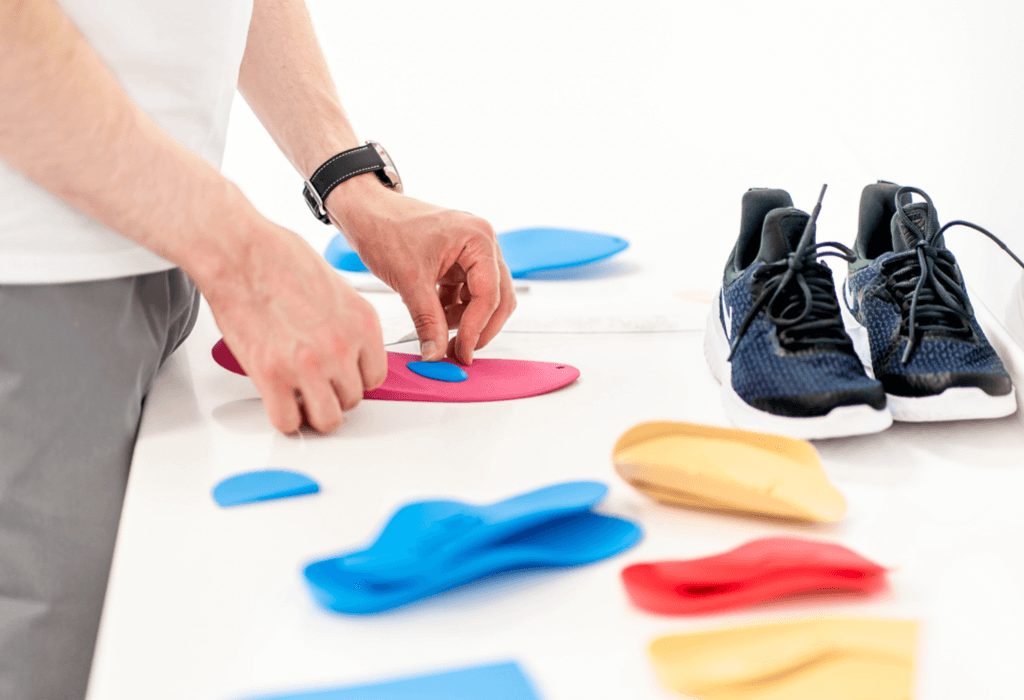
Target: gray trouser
<point>76,362</point>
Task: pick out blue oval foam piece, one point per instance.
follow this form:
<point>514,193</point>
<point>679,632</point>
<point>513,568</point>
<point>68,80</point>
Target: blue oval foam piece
<point>501,681</point>
<point>574,540</point>
<point>422,536</point>
<point>262,485</point>
<point>441,371</point>
<point>525,250</point>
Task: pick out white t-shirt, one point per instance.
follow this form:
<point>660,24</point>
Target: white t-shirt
<point>178,60</point>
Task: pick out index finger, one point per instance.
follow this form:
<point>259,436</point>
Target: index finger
<point>506,305</point>
<point>482,280</point>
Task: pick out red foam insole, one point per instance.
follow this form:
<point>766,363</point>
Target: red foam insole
<point>755,572</point>
<point>488,380</point>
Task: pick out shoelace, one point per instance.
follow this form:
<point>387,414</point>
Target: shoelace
<point>926,285</point>
<point>798,295</point>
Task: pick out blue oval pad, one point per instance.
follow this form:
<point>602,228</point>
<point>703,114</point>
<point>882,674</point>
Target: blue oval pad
<point>262,485</point>
<point>525,251</point>
<point>441,371</point>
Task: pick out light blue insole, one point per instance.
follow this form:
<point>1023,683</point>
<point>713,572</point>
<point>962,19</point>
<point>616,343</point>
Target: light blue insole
<point>526,250</point>
<point>573,540</point>
<point>422,536</point>
<point>262,485</point>
<point>502,681</point>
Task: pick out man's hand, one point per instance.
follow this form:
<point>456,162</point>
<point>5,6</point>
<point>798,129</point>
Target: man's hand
<point>445,264</point>
<point>297,329</point>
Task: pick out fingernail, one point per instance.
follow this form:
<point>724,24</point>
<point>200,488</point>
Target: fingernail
<point>428,348</point>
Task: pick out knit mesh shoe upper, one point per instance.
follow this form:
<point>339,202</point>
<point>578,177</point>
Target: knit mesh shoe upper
<point>791,356</point>
<point>907,290</point>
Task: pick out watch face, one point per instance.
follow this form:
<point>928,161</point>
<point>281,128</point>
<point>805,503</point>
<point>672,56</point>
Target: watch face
<point>390,172</point>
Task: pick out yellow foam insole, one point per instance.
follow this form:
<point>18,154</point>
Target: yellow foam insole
<point>833,658</point>
<point>703,466</point>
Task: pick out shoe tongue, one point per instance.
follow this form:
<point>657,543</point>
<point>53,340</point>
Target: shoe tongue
<point>903,238</point>
<point>781,232</point>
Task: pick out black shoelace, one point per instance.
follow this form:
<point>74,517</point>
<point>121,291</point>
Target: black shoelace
<point>798,295</point>
<point>926,284</point>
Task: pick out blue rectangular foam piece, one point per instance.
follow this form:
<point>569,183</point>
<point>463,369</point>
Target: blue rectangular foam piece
<point>501,681</point>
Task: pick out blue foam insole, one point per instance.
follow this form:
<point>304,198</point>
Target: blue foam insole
<point>440,371</point>
<point>573,540</point>
<point>525,251</point>
<point>262,485</point>
<point>421,536</point>
<point>536,249</point>
<point>502,681</point>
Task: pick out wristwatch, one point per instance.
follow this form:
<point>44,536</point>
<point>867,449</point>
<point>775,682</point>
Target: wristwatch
<point>368,158</point>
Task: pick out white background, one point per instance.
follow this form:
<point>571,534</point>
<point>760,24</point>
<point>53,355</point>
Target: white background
<point>647,120</point>
<point>650,119</point>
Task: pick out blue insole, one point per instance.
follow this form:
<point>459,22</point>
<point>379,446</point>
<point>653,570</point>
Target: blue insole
<point>531,250</point>
<point>526,250</point>
<point>262,485</point>
<point>502,681</point>
<point>423,535</point>
<point>572,540</point>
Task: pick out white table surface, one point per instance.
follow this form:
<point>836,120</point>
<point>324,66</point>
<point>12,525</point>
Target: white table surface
<point>210,603</point>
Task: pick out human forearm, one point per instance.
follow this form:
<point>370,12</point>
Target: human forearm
<point>67,124</point>
<point>286,82</point>
<point>445,264</point>
<point>310,344</point>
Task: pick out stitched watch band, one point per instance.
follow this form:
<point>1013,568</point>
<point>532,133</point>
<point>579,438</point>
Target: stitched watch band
<point>336,170</point>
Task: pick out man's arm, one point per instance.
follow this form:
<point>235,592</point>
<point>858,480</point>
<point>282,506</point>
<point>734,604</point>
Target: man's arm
<point>66,124</point>
<point>445,264</point>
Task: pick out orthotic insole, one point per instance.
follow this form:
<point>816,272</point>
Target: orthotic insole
<point>758,571</point>
<point>486,379</point>
<point>526,251</point>
<point>815,659</point>
<point>428,547</point>
<point>706,467</point>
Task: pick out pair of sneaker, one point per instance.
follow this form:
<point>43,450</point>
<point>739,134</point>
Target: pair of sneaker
<point>904,345</point>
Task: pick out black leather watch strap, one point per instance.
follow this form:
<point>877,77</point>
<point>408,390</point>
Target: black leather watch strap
<point>335,171</point>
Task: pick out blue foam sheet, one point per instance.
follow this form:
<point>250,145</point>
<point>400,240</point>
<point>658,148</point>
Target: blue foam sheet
<point>262,485</point>
<point>525,250</point>
<point>501,681</point>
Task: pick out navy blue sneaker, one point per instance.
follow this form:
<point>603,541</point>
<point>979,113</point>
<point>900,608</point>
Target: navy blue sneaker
<point>776,340</point>
<point>910,316</point>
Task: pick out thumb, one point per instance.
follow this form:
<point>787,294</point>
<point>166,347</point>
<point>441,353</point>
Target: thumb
<point>428,316</point>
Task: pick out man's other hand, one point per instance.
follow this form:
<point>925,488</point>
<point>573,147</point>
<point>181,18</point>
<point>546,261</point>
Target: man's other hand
<point>445,264</point>
<point>308,341</point>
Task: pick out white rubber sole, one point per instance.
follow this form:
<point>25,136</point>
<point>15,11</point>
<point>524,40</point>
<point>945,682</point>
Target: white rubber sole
<point>843,421</point>
<point>956,403</point>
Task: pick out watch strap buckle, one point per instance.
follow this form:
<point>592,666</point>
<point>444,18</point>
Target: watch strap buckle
<point>314,202</point>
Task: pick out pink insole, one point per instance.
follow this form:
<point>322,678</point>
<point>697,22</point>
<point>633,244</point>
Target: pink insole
<point>489,380</point>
